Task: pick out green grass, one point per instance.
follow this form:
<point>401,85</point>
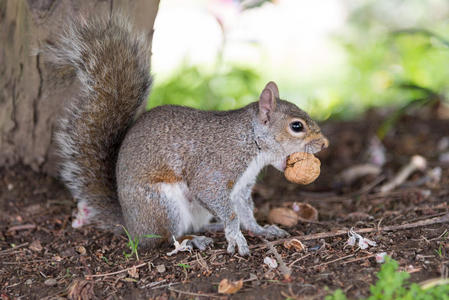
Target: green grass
<point>184,266</point>
<point>133,243</point>
<point>393,285</point>
<point>439,251</point>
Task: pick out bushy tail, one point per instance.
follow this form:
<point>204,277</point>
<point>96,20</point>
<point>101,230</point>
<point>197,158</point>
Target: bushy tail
<point>112,64</point>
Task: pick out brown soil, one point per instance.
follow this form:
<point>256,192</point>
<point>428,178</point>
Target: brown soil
<point>42,256</point>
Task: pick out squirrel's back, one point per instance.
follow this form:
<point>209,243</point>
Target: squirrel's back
<point>112,63</point>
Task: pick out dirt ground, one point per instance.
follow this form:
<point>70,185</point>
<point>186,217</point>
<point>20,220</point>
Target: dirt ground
<point>42,256</point>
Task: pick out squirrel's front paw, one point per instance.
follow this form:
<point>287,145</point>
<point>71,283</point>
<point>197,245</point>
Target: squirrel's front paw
<point>201,242</point>
<point>272,231</point>
<point>241,243</point>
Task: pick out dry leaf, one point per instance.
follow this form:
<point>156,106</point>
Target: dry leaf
<point>36,246</point>
<point>81,289</point>
<point>81,250</point>
<point>283,216</point>
<point>363,242</point>
<point>227,287</point>
<point>183,246</point>
<point>295,244</point>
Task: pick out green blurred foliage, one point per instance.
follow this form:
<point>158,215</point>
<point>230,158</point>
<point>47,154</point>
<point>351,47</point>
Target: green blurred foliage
<point>392,60</point>
<point>193,86</point>
<point>397,52</point>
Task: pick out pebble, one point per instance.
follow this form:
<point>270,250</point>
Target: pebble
<point>50,282</point>
<point>161,268</point>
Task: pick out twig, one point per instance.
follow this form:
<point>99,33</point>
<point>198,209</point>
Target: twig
<point>429,216</point>
<point>10,253</point>
<point>29,261</point>
<point>322,235</point>
<point>21,227</point>
<point>153,284</point>
<point>286,271</point>
<point>165,285</point>
<point>115,273</point>
<point>355,172</point>
<point>299,259</point>
<point>193,294</point>
<point>439,237</point>
<point>358,259</point>
<point>14,248</point>
<point>417,162</point>
<point>332,261</point>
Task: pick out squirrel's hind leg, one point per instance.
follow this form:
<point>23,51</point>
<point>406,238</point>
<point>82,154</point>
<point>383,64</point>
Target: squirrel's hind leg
<point>162,209</point>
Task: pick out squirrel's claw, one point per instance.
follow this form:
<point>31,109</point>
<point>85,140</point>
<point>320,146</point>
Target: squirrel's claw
<point>201,242</point>
<point>272,231</point>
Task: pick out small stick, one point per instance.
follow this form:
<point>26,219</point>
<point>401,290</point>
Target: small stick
<point>165,285</point>
<point>355,172</point>
<point>153,284</point>
<point>286,271</point>
<point>332,261</point>
<point>416,163</point>
<point>14,248</point>
<point>299,259</point>
<point>193,294</point>
<point>115,273</point>
<point>439,237</point>
<point>28,261</point>
<point>358,259</point>
<point>322,235</point>
<point>21,227</point>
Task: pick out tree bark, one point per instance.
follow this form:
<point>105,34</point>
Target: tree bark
<point>30,104</point>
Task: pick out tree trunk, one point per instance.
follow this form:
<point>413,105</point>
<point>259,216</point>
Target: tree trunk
<point>29,104</point>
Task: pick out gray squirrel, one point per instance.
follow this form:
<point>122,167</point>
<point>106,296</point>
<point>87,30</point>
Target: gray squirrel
<point>172,169</point>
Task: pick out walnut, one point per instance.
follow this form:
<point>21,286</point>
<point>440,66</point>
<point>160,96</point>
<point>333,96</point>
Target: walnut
<point>302,168</point>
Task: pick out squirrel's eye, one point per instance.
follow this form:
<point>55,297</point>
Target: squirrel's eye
<point>296,126</point>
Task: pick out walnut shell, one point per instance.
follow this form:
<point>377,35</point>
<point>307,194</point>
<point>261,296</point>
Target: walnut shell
<point>305,211</point>
<point>283,216</point>
<point>302,168</point>
<point>295,244</point>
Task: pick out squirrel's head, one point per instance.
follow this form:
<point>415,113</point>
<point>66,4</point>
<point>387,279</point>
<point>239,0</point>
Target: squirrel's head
<point>289,128</point>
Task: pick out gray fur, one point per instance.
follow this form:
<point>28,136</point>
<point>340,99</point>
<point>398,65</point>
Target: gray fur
<point>206,151</point>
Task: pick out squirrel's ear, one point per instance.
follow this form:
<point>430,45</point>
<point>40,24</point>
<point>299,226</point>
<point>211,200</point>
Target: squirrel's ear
<point>267,103</point>
<point>273,86</point>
